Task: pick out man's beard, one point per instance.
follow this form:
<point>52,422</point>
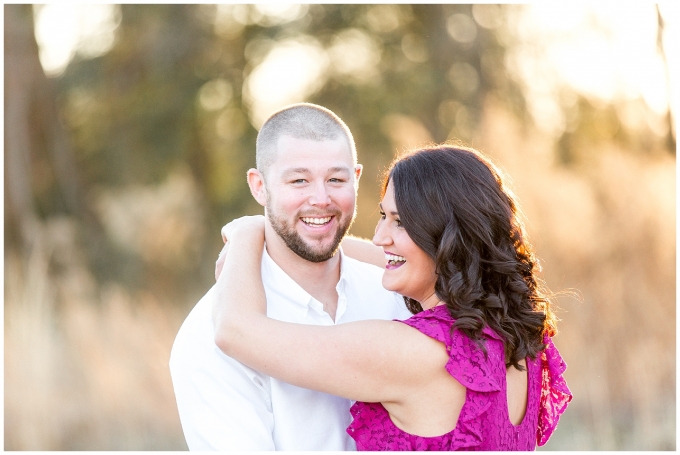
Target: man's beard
<point>298,246</point>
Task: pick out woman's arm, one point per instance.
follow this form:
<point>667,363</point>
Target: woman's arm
<point>366,360</point>
<point>357,248</point>
<point>363,250</point>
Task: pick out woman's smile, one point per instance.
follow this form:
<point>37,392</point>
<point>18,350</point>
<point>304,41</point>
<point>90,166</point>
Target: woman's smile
<point>394,261</point>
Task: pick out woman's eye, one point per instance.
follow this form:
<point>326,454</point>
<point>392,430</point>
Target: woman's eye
<point>398,222</point>
<point>382,215</point>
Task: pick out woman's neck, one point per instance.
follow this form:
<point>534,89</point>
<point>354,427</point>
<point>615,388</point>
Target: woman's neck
<point>431,302</point>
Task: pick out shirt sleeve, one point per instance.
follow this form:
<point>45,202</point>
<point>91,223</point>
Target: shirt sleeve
<point>222,404</point>
<point>400,311</point>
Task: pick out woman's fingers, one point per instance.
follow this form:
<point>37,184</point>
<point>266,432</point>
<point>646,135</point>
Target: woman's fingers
<point>251,223</point>
<point>254,222</point>
<point>219,264</point>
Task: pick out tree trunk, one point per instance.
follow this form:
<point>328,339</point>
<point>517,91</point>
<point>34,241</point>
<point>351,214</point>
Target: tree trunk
<point>21,71</point>
<point>32,129</point>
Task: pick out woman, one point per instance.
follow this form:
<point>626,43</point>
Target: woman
<point>474,368</point>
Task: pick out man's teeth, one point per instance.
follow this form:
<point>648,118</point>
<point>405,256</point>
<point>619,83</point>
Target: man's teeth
<point>393,258</point>
<point>317,221</point>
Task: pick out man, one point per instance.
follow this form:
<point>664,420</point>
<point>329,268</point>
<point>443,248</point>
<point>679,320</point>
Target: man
<point>306,178</point>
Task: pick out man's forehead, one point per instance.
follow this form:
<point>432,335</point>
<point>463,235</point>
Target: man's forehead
<point>325,150</point>
<point>290,139</point>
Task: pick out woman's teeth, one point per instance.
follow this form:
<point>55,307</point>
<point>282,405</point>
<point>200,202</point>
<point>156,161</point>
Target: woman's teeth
<point>393,259</point>
<point>316,221</point>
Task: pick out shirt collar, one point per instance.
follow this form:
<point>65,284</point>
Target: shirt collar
<point>341,287</point>
<point>278,281</point>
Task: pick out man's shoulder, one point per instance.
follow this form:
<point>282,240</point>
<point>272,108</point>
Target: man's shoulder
<point>366,296</point>
<point>196,332</point>
<point>362,272</point>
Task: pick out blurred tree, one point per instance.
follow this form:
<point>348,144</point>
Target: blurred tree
<point>170,95</point>
<point>40,173</point>
<point>134,117</point>
<point>671,139</point>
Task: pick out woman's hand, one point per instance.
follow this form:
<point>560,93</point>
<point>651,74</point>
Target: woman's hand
<point>254,223</point>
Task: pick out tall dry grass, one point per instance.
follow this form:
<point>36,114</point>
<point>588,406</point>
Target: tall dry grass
<point>606,229</point>
<point>85,366</point>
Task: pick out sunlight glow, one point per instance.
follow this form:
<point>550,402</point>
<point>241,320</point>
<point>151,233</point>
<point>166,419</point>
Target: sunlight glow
<point>215,94</point>
<point>385,18</point>
<point>56,34</point>
<point>291,71</point>
<point>462,28</point>
<point>280,13</point>
<point>355,56</point>
<point>62,30</point>
<point>602,51</point>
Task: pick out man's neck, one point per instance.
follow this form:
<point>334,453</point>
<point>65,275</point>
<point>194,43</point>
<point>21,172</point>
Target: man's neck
<point>319,279</point>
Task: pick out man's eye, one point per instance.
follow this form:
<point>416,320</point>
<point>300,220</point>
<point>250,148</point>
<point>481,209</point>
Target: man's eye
<point>299,181</point>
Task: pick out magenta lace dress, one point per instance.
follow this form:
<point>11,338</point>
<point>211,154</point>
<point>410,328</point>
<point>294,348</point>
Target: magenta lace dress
<point>483,423</point>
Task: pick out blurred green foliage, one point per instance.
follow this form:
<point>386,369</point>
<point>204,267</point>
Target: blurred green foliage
<point>132,115</point>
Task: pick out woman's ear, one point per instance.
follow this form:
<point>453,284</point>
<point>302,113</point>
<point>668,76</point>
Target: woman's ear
<point>257,186</point>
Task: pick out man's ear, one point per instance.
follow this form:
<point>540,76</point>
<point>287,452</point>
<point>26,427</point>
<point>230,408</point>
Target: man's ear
<point>257,187</point>
<point>358,169</point>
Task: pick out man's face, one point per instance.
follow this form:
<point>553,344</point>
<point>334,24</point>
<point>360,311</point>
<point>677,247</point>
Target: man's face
<point>311,195</point>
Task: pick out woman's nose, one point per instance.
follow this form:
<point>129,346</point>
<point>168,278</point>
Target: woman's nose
<point>381,237</point>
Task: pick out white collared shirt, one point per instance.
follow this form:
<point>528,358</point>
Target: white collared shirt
<point>224,405</point>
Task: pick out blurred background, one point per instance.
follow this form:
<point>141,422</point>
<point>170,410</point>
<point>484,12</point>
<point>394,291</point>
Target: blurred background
<point>128,131</point>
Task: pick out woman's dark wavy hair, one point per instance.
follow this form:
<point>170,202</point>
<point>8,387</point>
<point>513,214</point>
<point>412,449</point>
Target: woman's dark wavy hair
<point>453,204</point>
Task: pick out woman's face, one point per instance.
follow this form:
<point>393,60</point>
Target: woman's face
<point>409,270</point>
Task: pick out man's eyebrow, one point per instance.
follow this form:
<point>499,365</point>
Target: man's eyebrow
<point>339,169</point>
<point>296,170</point>
<point>391,213</point>
<point>304,170</point>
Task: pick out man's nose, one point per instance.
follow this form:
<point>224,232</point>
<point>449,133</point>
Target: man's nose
<point>320,195</point>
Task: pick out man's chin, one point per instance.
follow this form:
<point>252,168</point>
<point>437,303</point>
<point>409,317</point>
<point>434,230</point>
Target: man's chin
<point>314,251</point>
<point>319,254</point>
<point>312,248</point>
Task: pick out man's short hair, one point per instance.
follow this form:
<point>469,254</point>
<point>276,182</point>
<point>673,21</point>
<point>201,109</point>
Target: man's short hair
<point>301,121</point>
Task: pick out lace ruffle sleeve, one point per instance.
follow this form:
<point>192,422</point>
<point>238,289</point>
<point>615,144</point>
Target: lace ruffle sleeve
<point>468,364</point>
<point>555,395</point>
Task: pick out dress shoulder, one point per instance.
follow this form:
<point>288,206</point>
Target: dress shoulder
<point>468,363</point>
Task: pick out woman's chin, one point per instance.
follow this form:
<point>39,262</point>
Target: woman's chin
<point>390,286</point>
<point>394,287</point>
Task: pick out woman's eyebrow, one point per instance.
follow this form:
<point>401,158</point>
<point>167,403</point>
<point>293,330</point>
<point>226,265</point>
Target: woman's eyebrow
<point>391,213</point>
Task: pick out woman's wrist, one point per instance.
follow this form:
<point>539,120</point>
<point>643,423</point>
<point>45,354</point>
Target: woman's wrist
<point>246,235</point>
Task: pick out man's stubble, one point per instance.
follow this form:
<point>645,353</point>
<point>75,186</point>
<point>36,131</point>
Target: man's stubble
<point>297,245</point>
